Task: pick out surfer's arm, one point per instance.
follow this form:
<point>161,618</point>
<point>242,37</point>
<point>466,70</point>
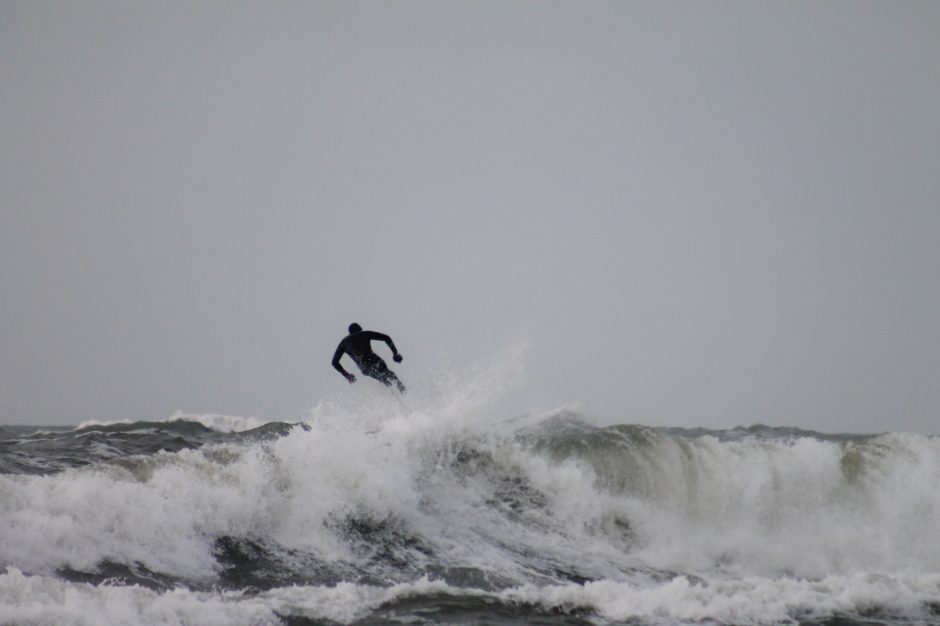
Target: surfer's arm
<point>387,340</point>
<point>338,367</point>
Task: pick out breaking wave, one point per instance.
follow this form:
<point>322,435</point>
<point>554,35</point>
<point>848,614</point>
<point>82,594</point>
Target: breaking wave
<point>372,511</point>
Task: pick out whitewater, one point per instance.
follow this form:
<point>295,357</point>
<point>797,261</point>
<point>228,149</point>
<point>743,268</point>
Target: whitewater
<point>442,509</point>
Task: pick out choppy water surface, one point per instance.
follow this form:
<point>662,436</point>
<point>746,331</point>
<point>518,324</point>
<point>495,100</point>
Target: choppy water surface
<point>388,514</point>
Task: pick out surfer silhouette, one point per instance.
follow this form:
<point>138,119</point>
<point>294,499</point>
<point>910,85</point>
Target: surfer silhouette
<point>357,344</point>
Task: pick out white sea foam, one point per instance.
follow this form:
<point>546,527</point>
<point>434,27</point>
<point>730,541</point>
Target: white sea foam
<point>750,600</point>
<point>744,530</point>
<point>165,511</point>
<point>807,508</point>
<point>753,600</point>
<point>42,601</point>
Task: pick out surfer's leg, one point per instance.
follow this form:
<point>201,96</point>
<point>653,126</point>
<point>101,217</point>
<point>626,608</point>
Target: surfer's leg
<point>393,378</point>
<point>387,377</point>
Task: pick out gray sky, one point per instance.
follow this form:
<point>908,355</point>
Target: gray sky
<point>691,213</point>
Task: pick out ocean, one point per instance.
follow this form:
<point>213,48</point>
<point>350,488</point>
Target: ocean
<point>389,514</point>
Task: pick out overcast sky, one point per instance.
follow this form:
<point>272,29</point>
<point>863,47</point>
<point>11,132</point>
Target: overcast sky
<point>688,213</point>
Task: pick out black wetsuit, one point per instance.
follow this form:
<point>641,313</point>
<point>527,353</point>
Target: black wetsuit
<point>358,346</point>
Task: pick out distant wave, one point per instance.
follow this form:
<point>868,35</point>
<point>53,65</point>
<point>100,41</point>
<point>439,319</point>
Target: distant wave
<point>212,421</point>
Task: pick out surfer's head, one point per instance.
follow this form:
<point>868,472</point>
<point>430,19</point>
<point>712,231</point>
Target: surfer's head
<point>354,328</point>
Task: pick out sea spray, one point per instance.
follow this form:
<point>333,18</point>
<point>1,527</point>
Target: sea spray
<point>378,510</point>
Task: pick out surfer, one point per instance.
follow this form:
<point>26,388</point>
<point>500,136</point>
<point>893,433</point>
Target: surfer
<point>357,344</point>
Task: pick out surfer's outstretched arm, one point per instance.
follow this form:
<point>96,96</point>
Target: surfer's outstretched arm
<point>387,340</point>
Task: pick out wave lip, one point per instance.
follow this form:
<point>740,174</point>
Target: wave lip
<point>211,421</point>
